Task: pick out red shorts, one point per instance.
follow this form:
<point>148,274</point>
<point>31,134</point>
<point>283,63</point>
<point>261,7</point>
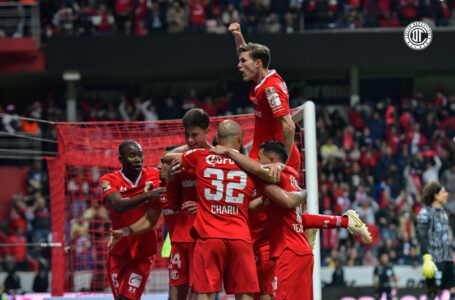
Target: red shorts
<point>218,260</point>
<point>266,269</point>
<point>181,264</point>
<point>294,276</point>
<point>127,277</point>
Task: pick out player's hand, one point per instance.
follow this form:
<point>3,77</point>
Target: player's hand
<point>311,236</point>
<point>116,236</point>
<point>156,193</point>
<point>429,267</point>
<point>220,150</point>
<point>235,28</point>
<point>148,187</point>
<point>274,170</point>
<point>174,168</point>
<point>190,207</point>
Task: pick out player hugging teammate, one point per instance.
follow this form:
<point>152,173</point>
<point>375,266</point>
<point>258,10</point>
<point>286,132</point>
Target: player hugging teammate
<point>229,208</point>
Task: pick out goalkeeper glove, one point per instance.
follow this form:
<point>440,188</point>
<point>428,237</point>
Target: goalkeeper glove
<point>429,267</point>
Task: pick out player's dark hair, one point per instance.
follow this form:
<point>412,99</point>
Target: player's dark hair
<point>170,148</point>
<point>429,191</point>
<point>196,117</point>
<point>275,148</point>
<point>257,51</point>
<point>125,144</point>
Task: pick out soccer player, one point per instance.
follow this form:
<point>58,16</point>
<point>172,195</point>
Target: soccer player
<point>182,197</point>
<point>223,251</point>
<point>129,262</point>
<point>145,223</point>
<point>270,98</point>
<point>289,247</point>
<point>433,233</point>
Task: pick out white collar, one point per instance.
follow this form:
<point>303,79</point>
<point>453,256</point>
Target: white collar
<point>262,81</point>
<point>129,181</point>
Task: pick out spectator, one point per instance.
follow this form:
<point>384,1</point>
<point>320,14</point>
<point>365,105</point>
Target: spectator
<point>12,282</point>
<point>41,281</point>
<point>176,18</point>
<point>272,25</point>
<point>19,251</point>
<point>197,16</point>
<point>230,15</point>
<point>216,26</point>
<point>431,172</point>
<point>10,120</point>
<point>369,259</point>
<point>338,275</point>
<point>41,221</point>
<point>36,178</point>
<point>103,21</point>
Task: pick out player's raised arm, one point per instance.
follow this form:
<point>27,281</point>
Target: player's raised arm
<point>246,163</point>
<point>238,37</point>
<point>288,128</point>
<point>120,204</point>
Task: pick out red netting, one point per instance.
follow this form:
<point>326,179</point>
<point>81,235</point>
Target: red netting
<point>79,220</point>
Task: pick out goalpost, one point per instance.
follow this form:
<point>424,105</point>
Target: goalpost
<point>88,150</point>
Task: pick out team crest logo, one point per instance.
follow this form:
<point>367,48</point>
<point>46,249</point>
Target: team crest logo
<point>105,185</point>
<point>270,90</point>
<point>174,274</point>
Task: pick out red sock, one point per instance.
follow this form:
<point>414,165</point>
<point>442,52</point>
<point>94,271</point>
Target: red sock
<point>324,221</point>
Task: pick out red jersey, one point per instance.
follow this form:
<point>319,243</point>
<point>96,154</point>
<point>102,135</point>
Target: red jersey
<point>270,100</point>
<point>170,215</point>
<point>134,245</point>
<point>180,190</point>
<point>285,224</point>
<point>224,192</point>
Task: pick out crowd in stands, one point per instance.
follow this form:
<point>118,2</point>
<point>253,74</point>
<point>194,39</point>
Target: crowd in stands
<point>374,157</point>
<point>378,163</point>
<point>29,222</point>
<point>143,17</point>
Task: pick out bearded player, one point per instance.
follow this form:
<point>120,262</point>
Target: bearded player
<point>130,261</point>
<point>289,247</point>
<point>223,251</point>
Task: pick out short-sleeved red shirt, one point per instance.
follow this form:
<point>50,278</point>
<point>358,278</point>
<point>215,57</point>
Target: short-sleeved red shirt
<point>270,100</point>
<point>224,191</point>
<point>134,245</point>
<point>285,224</point>
<point>180,190</point>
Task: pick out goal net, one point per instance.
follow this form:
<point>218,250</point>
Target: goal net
<point>80,221</point>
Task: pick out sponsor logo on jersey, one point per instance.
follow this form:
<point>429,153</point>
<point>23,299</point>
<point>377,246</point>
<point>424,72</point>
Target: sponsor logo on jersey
<point>132,290</point>
<point>188,183</point>
<point>105,185</point>
<point>135,280</point>
<point>274,100</point>
<point>174,275</point>
<point>123,189</point>
<point>217,160</point>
